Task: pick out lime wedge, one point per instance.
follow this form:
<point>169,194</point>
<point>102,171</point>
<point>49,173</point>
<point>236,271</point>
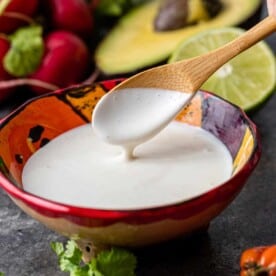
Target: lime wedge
<point>247,80</point>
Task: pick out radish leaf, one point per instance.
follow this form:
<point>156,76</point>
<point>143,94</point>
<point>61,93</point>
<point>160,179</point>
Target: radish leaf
<point>26,51</point>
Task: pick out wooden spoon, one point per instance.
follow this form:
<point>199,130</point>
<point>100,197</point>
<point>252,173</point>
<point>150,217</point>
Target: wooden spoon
<point>110,119</point>
<point>189,75</point>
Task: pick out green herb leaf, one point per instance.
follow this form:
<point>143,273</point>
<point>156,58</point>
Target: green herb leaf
<point>72,252</point>
<point>93,270</point>
<point>67,265</point>
<point>69,258</point>
<point>117,7</point>
<point>58,248</point>
<point>116,262</point>
<point>2,273</point>
<point>110,7</point>
<point>26,51</point>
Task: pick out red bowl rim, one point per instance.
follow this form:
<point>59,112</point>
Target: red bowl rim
<point>47,206</point>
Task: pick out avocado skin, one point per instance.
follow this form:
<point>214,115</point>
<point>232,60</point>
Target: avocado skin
<point>213,7</point>
<point>252,19</point>
<point>124,63</point>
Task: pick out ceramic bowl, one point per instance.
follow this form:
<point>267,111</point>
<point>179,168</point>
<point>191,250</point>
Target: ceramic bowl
<point>41,119</point>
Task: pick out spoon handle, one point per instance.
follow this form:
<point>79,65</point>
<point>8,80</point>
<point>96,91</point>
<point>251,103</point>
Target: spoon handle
<point>197,70</point>
<point>189,75</point>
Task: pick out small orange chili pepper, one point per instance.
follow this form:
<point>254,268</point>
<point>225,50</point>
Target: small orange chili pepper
<point>259,261</point>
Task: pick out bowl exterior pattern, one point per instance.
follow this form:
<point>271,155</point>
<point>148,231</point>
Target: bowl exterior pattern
<point>43,118</point>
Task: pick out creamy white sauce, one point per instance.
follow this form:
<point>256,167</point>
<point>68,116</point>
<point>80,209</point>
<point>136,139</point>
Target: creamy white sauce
<point>76,168</point>
<point>129,117</point>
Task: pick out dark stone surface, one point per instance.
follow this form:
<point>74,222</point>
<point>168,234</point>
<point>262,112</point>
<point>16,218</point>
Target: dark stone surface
<point>249,221</point>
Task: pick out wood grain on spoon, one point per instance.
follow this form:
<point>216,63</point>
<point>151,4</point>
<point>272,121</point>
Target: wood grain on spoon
<point>189,75</point>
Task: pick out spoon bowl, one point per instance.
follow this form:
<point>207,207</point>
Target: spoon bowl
<point>41,119</point>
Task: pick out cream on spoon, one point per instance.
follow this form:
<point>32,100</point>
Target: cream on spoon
<point>132,116</point>
<point>152,99</point>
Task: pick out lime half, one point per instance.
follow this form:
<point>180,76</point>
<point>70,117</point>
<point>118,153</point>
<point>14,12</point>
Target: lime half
<point>247,80</point>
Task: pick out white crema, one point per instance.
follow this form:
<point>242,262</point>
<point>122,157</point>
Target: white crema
<point>129,117</point>
<point>76,168</point>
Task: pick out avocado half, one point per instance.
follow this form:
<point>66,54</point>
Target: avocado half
<point>133,44</point>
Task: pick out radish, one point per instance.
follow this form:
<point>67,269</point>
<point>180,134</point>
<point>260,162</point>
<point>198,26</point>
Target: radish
<point>20,55</point>
<point>94,4</point>
<point>71,15</point>
<point>44,64</point>
<point>65,62</point>
<point>16,13</point>
<point>4,47</point>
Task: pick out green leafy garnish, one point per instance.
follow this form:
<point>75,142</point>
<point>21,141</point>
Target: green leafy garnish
<point>117,7</point>
<point>114,262</point>
<point>26,51</point>
<point>2,273</point>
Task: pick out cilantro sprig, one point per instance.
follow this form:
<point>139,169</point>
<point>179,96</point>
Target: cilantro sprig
<point>116,7</point>
<point>113,262</point>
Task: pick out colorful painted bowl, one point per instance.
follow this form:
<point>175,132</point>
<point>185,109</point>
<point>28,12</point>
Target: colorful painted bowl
<point>43,118</point>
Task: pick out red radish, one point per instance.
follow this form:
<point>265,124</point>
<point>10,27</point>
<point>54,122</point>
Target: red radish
<point>94,4</point>
<point>4,47</point>
<point>18,7</point>
<point>71,15</point>
<point>65,62</point>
